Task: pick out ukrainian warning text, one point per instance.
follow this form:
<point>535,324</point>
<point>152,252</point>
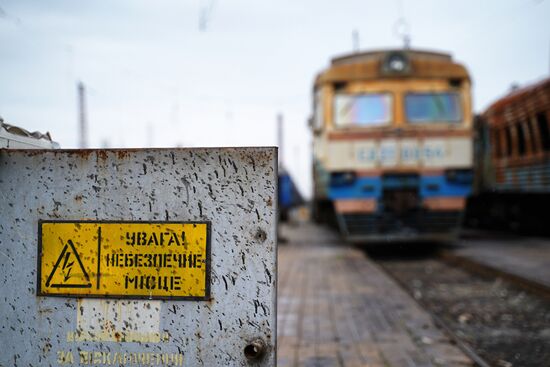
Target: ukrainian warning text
<point>124,259</point>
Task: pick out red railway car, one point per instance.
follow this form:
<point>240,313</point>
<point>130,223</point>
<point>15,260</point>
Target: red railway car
<point>513,161</point>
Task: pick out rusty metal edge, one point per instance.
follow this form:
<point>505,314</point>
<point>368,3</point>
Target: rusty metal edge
<point>274,340</point>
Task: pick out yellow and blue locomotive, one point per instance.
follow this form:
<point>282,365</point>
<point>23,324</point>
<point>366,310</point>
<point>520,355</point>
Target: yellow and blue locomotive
<point>392,145</point>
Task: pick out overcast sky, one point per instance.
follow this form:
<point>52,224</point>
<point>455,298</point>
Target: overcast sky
<point>155,77</point>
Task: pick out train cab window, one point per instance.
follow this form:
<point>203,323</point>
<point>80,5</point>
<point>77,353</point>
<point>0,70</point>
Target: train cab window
<point>317,110</point>
<point>433,107</point>
<point>362,109</point>
<point>544,132</point>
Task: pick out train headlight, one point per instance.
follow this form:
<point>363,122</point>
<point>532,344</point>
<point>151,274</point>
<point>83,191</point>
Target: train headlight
<point>396,63</point>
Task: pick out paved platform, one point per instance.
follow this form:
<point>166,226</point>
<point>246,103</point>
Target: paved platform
<point>525,257</point>
<point>337,308</point>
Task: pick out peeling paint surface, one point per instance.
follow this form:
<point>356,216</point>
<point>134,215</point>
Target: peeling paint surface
<point>232,188</point>
<point>113,320</point>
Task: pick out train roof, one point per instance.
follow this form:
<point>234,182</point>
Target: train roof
<point>376,64</point>
<point>375,55</point>
<point>535,94</point>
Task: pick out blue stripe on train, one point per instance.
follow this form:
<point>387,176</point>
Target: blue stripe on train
<point>360,188</point>
<point>372,187</point>
<point>434,186</point>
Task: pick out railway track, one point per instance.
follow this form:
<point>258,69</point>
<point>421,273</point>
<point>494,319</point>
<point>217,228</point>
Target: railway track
<point>497,318</point>
<point>488,271</point>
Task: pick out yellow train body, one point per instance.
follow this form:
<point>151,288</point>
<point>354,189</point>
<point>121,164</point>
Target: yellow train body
<point>392,144</point>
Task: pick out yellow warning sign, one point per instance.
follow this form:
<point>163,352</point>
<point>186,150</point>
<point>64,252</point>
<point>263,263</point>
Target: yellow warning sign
<point>153,260</point>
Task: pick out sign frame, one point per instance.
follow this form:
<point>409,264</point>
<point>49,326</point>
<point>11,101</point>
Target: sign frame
<point>206,297</point>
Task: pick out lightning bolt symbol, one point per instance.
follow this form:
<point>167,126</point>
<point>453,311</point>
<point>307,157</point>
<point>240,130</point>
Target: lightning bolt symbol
<point>68,266</point>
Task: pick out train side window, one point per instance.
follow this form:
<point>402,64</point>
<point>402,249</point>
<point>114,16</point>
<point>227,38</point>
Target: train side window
<point>544,132</point>
<point>508,135</point>
<point>529,136</point>
<point>317,111</point>
<point>495,137</point>
<point>503,143</point>
<point>521,139</point>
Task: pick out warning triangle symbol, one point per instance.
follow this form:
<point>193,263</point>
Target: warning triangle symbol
<point>68,271</point>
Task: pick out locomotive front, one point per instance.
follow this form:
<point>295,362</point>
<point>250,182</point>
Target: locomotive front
<point>392,146</point>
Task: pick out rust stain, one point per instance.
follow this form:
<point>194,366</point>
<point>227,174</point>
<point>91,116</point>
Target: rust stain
<point>210,302</point>
<point>122,153</point>
<point>102,154</point>
<point>82,153</point>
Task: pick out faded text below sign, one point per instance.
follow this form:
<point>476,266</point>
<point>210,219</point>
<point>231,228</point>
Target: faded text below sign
<point>153,260</point>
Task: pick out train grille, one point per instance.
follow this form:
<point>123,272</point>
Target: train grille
<point>417,222</point>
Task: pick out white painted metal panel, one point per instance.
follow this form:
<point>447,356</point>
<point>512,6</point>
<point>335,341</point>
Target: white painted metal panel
<point>234,189</point>
<point>399,153</point>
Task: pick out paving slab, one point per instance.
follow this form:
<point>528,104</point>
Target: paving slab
<point>338,308</point>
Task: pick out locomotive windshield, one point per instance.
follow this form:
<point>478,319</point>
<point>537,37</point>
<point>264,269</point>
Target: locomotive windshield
<point>433,107</point>
<point>362,109</point>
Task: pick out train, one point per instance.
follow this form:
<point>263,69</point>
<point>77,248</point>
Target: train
<point>392,145</point>
<point>289,196</point>
<point>512,165</point>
